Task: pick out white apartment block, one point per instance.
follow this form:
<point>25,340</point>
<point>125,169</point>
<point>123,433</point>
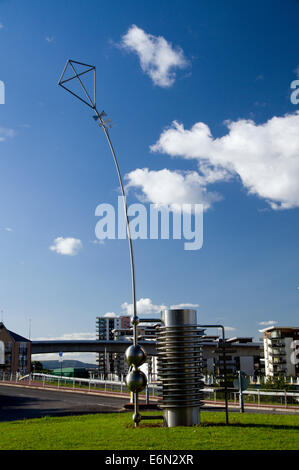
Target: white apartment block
<point>281,351</point>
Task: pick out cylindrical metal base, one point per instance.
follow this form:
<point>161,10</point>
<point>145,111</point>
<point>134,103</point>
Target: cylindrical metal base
<point>188,416</point>
<point>179,367</point>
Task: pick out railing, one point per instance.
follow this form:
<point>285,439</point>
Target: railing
<point>277,341</point>
<point>86,384</point>
<point>255,397</point>
<point>256,381</point>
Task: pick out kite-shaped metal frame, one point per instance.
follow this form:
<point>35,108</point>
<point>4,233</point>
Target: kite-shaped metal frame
<point>91,103</point>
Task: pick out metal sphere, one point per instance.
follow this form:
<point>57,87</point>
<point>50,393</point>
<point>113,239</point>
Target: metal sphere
<point>135,355</point>
<point>136,381</point>
<point>136,418</point>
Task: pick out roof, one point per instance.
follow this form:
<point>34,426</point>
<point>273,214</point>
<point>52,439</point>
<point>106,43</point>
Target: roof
<point>271,328</point>
<point>15,336</point>
<point>18,338</point>
<point>240,339</point>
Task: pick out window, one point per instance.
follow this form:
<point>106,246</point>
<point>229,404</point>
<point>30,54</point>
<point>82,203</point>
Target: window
<point>23,348</point>
<point>275,334</point>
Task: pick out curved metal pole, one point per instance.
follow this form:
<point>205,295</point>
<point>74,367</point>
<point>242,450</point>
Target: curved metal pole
<point>135,317</point>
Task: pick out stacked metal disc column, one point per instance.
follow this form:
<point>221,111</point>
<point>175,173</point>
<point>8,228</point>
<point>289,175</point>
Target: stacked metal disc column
<point>180,367</point>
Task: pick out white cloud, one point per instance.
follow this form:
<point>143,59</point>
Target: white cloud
<point>1,26</point>
<point>265,157</point>
<point>110,315</point>
<point>229,328</point>
<point>186,305</point>
<point>68,337</point>
<point>66,246</point>
<point>49,38</point>
<point>145,306</point>
<point>8,229</point>
<point>268,322</point>
<point>6,132</point>
<point>158,58</point>
<point>166,187</point>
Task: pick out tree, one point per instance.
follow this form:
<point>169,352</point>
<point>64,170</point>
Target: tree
<point>37,366</point>
<point>276,383</point>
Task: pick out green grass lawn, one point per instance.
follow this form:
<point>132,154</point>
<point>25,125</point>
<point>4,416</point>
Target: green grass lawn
<point>116,432</point>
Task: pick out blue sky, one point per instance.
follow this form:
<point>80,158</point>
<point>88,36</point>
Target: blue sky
<point>227,62</point>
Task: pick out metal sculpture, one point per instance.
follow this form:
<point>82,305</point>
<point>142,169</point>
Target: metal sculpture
<point>136,380</point>
<point>179,345</point>
<point>180,367</point>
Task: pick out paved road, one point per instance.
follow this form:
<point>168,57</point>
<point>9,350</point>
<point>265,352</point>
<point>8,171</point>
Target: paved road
<point>21,402</point>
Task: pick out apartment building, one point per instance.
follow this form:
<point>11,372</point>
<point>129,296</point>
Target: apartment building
<point>110,363</point>
<point>241,353</point>
<point>106,324</point>
<point>281,351</point>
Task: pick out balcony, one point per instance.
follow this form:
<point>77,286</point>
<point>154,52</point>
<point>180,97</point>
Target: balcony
<point>278,361</point>
<point>277,351</point>
<point>277,342</point>
<point>279,369</point>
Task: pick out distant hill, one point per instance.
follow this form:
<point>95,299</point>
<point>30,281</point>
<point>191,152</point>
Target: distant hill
<point>67,363</point>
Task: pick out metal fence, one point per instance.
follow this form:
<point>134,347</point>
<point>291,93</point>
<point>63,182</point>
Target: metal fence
<point>258,398</point>
<point>256,381</point>
<point>91,384</point>
<point>254,397</point>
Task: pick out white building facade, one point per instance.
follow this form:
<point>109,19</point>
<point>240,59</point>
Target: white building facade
<point>281,351</point>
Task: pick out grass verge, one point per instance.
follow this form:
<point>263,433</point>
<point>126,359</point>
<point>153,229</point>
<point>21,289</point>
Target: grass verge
<point>116,432</point>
